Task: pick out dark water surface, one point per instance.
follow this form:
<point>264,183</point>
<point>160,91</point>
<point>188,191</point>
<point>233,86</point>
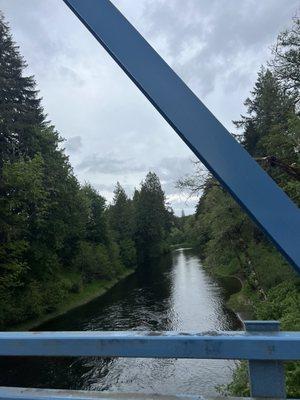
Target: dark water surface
<point>173,294</point>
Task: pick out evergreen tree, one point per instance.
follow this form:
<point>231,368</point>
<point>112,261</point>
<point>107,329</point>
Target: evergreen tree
<point>48,223</point>
<point>229,243</point>
<point>271,131</point>
<point>286,61</point>
<point>121,214</point>
<point>122,223</point>
<point>21,168</point>
<point>151,218</point>
<point>97,224</point>
<point>269,106</point>
<point>54,233</point>
<point>20,109</point>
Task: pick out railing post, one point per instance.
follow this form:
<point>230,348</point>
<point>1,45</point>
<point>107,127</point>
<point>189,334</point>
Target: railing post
<point>266,377</point>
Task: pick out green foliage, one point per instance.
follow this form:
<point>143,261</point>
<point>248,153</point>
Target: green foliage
<point>128,253</point>
<point>283,302</point>
<point>184,231</point>
<point>240,383</point>
<point>286,60</point>
<point>122,222</point>
<point>96,228</point>
<point>121,215</point>
<point>152,218</point>
<point>50,225</point>
<point>20,109</point>
<point>229,243</point>
<point>93,261</point>
<point>292,376</point>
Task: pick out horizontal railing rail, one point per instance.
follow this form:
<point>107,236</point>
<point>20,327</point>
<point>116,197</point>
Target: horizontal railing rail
<point>262,344</point>
<point>224,345</point>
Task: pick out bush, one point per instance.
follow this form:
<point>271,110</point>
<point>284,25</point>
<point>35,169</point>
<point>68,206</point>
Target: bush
<point>93,262</point>
<point>128,253</point>
<point>54,293</point>
<point>240,383</point>
<point>76,287</point>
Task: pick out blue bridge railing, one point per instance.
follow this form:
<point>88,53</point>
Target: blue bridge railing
<point>262,344</point>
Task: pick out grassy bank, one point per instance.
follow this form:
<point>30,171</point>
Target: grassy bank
<point>236,291</point>
<point>87,293</point>
<point>240,304</point>
<point>278,302</point>
<point>239,299</point>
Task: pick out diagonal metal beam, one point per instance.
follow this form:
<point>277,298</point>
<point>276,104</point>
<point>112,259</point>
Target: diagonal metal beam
<point>231,165</point>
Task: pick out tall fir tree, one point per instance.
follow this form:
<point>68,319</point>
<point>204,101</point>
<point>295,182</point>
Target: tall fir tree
<point>122,223</point>
<point>47,221</point>
<point>20,108</point>
<point>152,218</point>
<point>267,107</point>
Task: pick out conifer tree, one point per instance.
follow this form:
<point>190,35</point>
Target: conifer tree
<point>151,218</point>
<point>286,60</point>
<point>20,108</point>
<point>122,223</point>
<point>121,214</point>
<point>267,107</point>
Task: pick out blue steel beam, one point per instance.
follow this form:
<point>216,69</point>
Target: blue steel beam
<point>266,376</point>
<point>231,165</point>
<point>226,345</point>
<point>17,393</point>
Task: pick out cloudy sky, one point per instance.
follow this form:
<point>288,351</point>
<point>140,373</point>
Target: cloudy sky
<point>112,132</point>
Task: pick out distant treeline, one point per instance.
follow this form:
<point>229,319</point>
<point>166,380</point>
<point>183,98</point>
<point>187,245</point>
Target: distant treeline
<point>228,241</point>
<point>55,234</point>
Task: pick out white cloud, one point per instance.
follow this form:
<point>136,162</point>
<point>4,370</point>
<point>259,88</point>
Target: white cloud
<point>112,131</point>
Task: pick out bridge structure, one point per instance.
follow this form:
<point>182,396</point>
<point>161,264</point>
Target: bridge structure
<point>262,344</point>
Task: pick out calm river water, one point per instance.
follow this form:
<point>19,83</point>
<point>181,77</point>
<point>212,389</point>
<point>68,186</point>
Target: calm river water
<point>175,293</point>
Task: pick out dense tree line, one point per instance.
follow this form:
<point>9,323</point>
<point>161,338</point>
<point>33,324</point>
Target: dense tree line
<point>55,234</point>
<point>228,241</point>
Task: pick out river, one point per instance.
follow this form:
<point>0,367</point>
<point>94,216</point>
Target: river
<point>174,294</point>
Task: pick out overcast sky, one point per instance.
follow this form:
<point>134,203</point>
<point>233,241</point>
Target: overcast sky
<point>112,132</point>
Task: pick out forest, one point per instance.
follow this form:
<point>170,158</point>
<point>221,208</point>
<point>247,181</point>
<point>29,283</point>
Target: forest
<point>229,243</point>
<point>56,235</point>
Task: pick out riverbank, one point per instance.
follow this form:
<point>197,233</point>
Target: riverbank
<point>237,297</point>
<point>88,293</point>
<point>240,303</point>
<point>172,292</point>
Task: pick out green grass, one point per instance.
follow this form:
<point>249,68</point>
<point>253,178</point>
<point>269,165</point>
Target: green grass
<point>88,293</point>
<point>239,303</point>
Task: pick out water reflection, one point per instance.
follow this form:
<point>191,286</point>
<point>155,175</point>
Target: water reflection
<point>174,293</point>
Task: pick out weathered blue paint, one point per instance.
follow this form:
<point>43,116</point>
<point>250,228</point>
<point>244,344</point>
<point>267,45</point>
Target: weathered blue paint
<point>261,326</point>
<point>224,345</point>
<point>258,194</point>
<point>262,344</point>
<point>266,377</point>
<point>10,393</point>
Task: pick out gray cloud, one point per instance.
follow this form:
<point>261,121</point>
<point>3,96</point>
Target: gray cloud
<point>112,131</point>
<point>183,203</point>
<point>170,167</point>
<point>111,187</point>
<point>73,76</point>
<point>73,144</point>
<point>109,165</point>
<point>209,40</point>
